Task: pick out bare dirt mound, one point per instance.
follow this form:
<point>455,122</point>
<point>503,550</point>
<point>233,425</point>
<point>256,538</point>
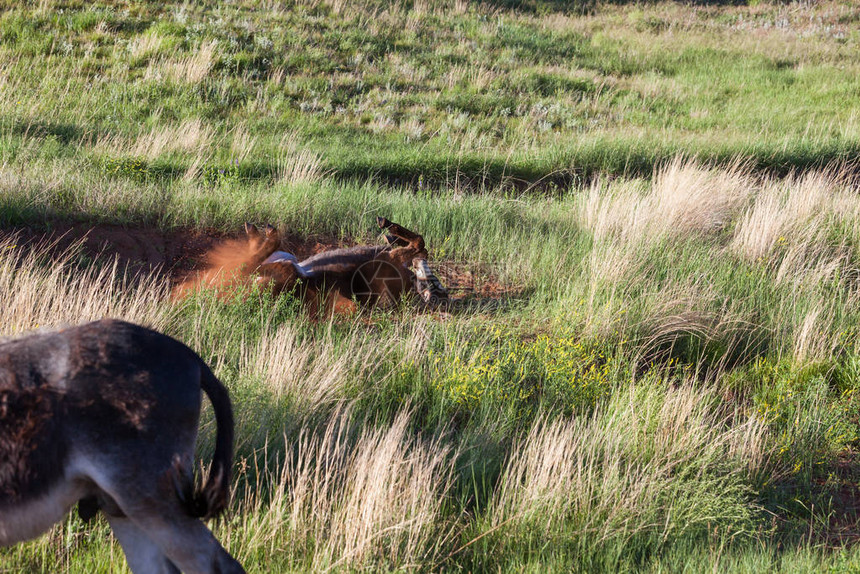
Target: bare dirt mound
<point>147,250</point>
<point>180,255</point>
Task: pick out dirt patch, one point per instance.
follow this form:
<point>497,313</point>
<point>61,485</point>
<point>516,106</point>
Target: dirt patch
<point>140,250</point>
<point>174,254</point>
<point>180,254</point>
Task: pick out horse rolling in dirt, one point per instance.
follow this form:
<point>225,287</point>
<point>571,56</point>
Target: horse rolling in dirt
<point>369,275</point>
<point>106,414</point>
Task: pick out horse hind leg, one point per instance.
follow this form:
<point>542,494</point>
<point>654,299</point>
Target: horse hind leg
<point>395,241</point>
<point>410,244</point>
<point>399,232</point>
<point>150,512</point>
<point>158,536</point>
<point>142,554</point>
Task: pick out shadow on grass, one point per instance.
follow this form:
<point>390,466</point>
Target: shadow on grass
<point>351,157</point>
<point>824,508</point>
<point>65,133</point>
<point>700,340</point>
<point>481,174</point>
<point>587,6</point>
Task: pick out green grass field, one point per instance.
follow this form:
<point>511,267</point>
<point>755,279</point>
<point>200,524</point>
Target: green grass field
<point>664,197</point>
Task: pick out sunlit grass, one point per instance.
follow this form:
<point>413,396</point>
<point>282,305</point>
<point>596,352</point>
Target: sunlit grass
<point>663,373</point>
<point>475,95</point>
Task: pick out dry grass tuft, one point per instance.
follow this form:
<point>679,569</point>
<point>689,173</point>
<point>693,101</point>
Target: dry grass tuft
<point>375,501</point>
<point>146,45</point>
<point>812,262</point>
<point>609,263</point>
<point>297,165</point>
<point>813,336</point>
<point>313,374</point>
<point>191,69</point>
<point>793,212</point>
<point>191,136</point>
<point>685,199</point>
<point>316,373</point>
<point>613,475</point>
<point>242,143</point>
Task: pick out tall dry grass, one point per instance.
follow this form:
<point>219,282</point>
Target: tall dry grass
<point>242,143</point>
<point>684,199</point>
<point>655,464</point>
<point>40,291</point>
<point>315,373</point>
<point>191,136</point>
<point>801,231</point>
<point>793,211</point>
<point>353,498</point>
<point>297,164</point>
<point>191,69</point>
<point>146,45</point>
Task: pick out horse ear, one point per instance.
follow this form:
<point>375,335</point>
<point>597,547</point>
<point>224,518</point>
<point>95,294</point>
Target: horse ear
<point>251,230</point>
<point>271,230</point>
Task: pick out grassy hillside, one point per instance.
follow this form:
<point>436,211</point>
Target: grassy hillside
<point>420,93</point>
<point>664,196</point>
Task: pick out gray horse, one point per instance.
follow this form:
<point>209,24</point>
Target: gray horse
<point>106,414</point>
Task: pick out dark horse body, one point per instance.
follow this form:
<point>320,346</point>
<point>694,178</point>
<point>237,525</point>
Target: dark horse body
<point>107,414</point>
<point>368,275</point>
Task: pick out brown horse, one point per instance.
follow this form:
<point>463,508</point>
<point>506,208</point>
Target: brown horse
<point>366,275</point>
